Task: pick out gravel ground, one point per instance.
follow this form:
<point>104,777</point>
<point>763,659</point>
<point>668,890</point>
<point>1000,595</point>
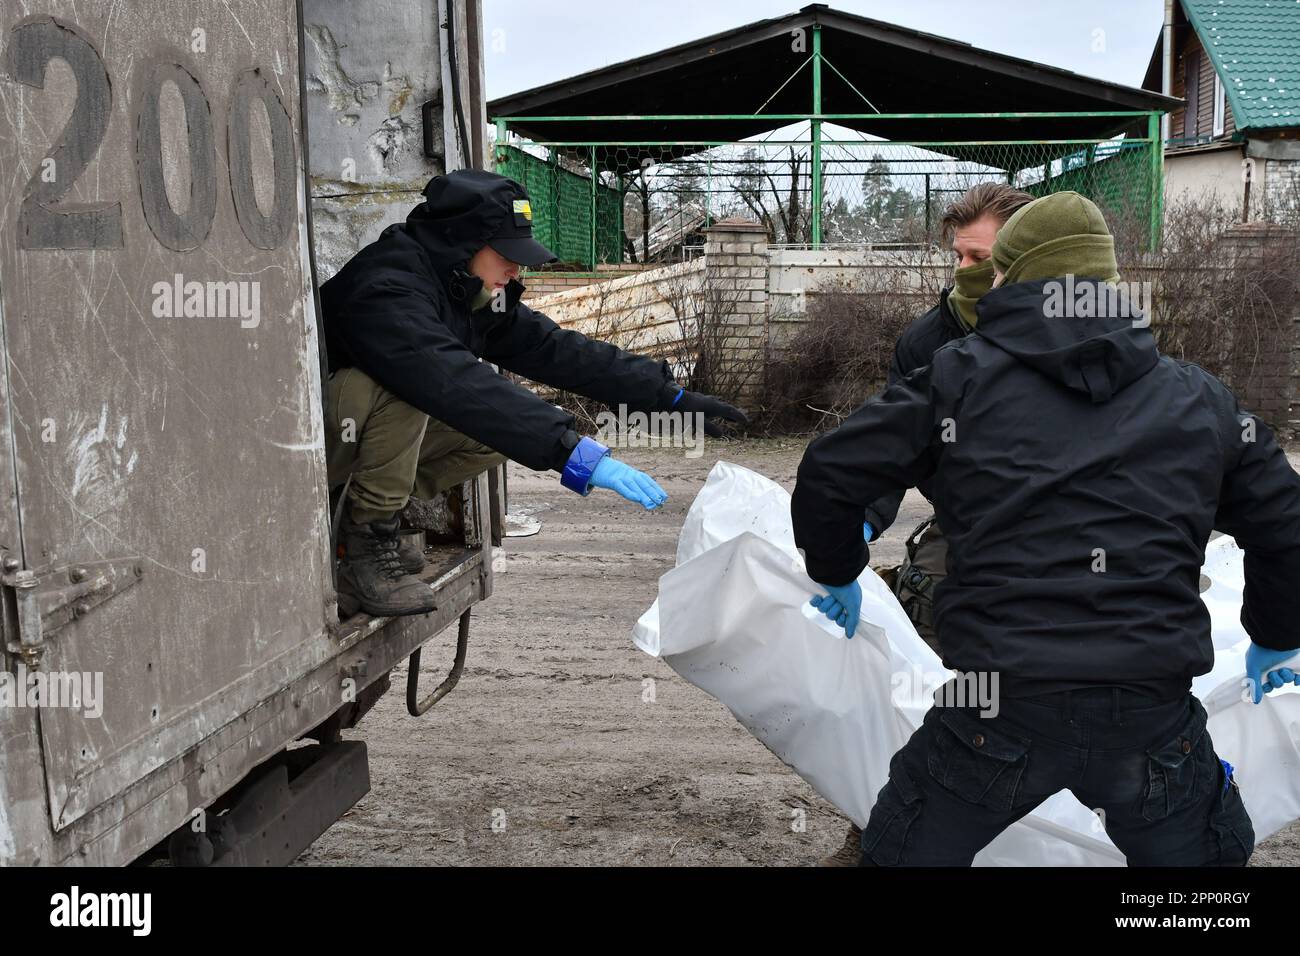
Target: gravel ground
<point>548,752</point>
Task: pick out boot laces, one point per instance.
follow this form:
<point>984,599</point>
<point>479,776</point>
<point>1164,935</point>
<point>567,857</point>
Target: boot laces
<point>384,551</point>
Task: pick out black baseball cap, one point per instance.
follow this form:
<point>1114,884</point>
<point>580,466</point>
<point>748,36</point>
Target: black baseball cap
<point>514,239</point>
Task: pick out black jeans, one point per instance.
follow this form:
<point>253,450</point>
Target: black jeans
<point>1147,767</point>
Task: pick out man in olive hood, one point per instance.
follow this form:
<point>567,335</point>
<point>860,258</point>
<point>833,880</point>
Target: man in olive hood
<point>970,225</point>
<point>1078,474</point>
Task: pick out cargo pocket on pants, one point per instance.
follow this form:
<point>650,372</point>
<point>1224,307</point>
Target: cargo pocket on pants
<point>1230,824</point>
<point>896,809</point>
<point>975,761</point>
<point>1181,769</point>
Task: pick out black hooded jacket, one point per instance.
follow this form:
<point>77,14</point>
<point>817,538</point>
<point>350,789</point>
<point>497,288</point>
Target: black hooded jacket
<point>400,312</point>
<point>1077,475</point>
<point>914,349</point>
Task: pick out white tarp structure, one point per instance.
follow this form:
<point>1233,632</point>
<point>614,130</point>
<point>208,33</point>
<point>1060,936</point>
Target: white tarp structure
<point>733,618</point>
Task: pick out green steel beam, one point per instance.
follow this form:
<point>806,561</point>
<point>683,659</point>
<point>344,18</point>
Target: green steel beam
<point>1120,144</point>
<point>592,231</point>
<point>842,162</point>
<point>778,90</point>
<point>816,118</point>
<point>806,116</point>
<point>1157,179</point>
<point>669,177</point>
<point>849,84</point>
<point>708,194</point>
<point>816,126</point>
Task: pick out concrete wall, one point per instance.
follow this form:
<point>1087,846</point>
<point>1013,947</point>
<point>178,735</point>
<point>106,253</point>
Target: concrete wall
<point>796,277</point>
<point>642,312</point>
<point>1191,176</point>
<point>538,284</point>
<point>1274,189</point>
<point>370,69</point>
<point>752,298</point>
<point>1293,415</point>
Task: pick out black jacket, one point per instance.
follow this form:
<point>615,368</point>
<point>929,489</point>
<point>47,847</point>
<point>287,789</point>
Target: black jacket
<point>1055,445</point>
<point>914,349</point>
<point>400,312</point>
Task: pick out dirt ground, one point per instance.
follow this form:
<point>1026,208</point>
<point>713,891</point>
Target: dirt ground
<point>547,751</point>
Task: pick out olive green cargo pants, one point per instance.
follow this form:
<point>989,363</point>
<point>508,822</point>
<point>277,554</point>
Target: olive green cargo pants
<point>391,450</point>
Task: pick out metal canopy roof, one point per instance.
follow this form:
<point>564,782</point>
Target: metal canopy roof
<point>897,69</point>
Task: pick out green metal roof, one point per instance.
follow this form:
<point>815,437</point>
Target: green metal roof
<point>1255,47</point>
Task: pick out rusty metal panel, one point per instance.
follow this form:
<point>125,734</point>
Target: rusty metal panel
<point>365,95</point>
<point>369,648</point>
<point>160,360</point>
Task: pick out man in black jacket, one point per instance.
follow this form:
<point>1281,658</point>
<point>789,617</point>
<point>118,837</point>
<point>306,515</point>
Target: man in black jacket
<point>410,406</point>
<point>970,224</point>
<point>1077,474</point>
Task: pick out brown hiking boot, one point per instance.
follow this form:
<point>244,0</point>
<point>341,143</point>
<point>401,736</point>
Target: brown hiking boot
<point>850,853</point>
<point>371,577</point>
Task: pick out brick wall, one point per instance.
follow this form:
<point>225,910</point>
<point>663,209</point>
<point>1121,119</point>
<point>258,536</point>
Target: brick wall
<point>751,298</point>
<point>1293,419</point>
<point>1265,377</point>
<point>735,301</point>
<point>1281,201</point>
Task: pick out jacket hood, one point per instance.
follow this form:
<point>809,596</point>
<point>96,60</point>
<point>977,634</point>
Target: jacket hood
<point>460,212</point>
<point>1096,355</point>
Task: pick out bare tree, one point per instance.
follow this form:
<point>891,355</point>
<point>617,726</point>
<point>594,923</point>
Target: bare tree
<point>789,219</point>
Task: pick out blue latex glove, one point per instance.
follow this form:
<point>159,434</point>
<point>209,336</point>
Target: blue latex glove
<point>1263,673</point>
<point>627,481</point>
<point>867,531</point>
<point>842,605</point>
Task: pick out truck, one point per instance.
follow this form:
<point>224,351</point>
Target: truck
<point>180,177</point>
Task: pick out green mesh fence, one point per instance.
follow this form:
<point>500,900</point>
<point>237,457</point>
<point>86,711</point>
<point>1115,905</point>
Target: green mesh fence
<point>562,200</point>
<point>654,199</point>
<point>1115,175</point>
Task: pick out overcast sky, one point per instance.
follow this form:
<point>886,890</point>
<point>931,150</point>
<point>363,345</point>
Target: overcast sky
<point>530,43</point>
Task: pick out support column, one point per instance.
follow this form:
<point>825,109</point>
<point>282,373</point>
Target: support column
<point>734,305</point>
<point>595,182</point>
<point>1157,148</point>
<point>817,137</point>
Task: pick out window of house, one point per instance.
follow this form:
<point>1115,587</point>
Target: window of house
<point>1218,105</point>
<point>1191,89</point>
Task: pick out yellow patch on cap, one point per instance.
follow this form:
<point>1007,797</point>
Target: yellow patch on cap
<point>524,208</point>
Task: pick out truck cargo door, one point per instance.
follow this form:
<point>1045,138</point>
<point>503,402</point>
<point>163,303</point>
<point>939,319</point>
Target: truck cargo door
<point>161,373</point>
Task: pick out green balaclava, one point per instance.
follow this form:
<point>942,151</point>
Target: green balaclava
<point>1060,234</point>
<point>970,282</point>
<point>481,298</point>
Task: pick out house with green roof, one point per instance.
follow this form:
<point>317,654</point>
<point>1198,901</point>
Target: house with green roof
<point>1236,66</point>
